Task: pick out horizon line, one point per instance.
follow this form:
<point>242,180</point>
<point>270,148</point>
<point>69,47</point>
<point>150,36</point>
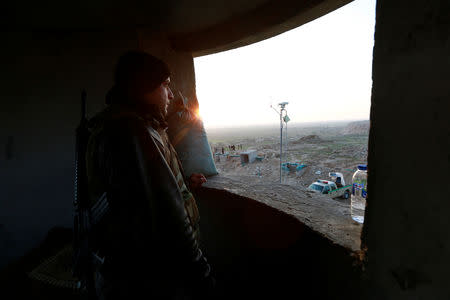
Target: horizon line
<point>277,124</point>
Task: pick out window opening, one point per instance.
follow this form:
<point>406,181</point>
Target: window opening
<point>322,73</point>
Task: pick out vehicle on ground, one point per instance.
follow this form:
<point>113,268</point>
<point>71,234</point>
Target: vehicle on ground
<point>334,189</point>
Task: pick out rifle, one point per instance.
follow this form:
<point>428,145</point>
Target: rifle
<point>83,268</point>
<point>86,217</point>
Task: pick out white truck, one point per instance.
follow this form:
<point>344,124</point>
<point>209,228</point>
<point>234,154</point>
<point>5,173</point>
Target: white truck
<point>334,188</point>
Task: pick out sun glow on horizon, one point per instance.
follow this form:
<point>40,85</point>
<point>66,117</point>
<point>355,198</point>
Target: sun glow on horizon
<point>323,69</point>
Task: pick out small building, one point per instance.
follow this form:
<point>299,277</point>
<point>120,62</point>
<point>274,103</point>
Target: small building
<point>248,156</point>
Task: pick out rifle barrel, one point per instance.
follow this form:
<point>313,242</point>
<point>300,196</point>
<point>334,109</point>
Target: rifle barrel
<point>83,104</point>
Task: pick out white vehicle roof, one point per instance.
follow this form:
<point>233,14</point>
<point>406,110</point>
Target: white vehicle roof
<point>322,182</point>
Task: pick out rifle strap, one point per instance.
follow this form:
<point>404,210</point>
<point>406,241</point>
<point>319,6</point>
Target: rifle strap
<point>99,209</point>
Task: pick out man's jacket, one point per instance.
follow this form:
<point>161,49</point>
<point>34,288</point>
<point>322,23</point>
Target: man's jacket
<point>149,238</point>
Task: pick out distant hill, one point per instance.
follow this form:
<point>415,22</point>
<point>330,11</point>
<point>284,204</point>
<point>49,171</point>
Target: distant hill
<point>309,139</point>
<point>359,127</point>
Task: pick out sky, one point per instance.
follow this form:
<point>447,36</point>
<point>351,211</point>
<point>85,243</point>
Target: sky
<point>322,68</point>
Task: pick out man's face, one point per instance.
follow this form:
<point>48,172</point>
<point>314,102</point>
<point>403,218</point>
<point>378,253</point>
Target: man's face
<point>161,96</point>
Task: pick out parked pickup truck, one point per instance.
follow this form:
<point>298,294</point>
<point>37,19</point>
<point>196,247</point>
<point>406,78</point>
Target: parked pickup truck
<point>330,187</point>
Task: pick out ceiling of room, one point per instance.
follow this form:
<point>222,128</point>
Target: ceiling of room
<point>199,26</point>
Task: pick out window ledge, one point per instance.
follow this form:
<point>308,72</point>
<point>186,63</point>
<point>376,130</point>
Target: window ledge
<point>326,216</point>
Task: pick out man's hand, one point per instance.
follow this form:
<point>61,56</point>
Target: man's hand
<point>196,180</point>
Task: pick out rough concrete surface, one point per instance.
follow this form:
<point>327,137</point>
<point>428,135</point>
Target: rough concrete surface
<point>323,215</point>
<point>407,229</point>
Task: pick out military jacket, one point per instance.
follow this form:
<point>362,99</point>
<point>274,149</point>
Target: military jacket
<point>153,223</point>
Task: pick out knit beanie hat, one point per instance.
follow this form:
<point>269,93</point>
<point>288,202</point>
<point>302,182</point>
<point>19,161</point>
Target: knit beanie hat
<point>138,73</point>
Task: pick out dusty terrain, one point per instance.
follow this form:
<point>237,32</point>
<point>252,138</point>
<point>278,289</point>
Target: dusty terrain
<point>323,148</point>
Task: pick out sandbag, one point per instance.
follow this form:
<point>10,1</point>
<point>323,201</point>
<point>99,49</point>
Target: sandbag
<point>188,136</point>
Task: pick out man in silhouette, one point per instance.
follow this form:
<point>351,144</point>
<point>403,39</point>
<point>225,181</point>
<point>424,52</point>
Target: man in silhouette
<point>148,242</point>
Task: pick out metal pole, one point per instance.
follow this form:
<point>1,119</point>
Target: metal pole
<point>281,139</point>
<point>287,140</point>
<point>282,105</point>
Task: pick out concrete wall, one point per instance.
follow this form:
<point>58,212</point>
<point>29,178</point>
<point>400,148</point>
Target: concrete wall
<point>41,79</point>
<point>198,26</point>
<point>255,251</point>
<point>258,252</point>
<point>408,225</point>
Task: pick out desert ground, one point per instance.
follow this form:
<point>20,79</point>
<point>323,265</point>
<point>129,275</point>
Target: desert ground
<point>322,147</point>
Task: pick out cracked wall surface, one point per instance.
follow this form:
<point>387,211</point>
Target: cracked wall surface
<point>407,228</point>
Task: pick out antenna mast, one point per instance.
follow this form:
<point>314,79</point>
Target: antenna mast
<point>284,119</point>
